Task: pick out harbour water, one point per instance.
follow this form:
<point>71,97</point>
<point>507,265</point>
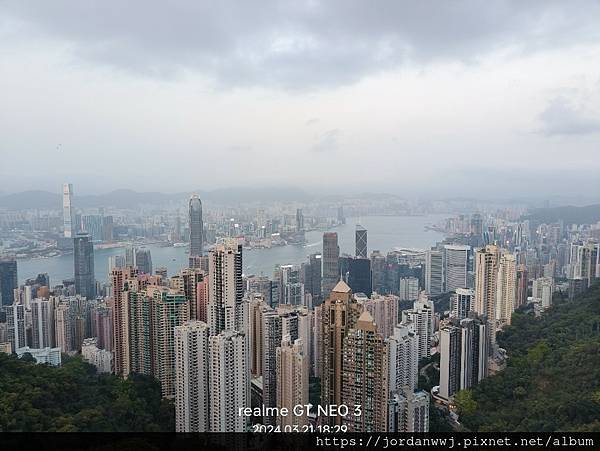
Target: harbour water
<point>385,233</point>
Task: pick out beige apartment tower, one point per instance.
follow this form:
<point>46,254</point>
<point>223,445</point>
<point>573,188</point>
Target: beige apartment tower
<point>292,381</point>
<point>339,314</point>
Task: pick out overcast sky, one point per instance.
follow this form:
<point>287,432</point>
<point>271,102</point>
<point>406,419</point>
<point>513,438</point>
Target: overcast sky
<point>441,98</point>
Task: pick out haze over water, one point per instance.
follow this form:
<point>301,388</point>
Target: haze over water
<point>385,234</point>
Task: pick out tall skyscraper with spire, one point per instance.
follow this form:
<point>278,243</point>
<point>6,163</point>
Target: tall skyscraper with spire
<point>68,214</point>
<point>196,226</point>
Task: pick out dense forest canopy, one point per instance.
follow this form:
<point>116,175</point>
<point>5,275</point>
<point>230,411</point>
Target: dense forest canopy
<point>552,380</point>
<point>76,398</point>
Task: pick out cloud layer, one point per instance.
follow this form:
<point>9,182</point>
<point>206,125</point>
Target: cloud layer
<point>300,43</point>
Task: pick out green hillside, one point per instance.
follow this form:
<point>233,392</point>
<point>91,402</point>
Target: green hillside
<point>75,398</point>
<point>552,380</point>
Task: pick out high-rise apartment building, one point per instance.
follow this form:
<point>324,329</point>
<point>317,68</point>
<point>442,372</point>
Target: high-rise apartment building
<point>225,288</point>
<point>42,319</point>
<point>463,355</point>
<point>170,309</point>
<point>420,319</point>
<point>196,226</point>
<point>507,288</point>
<point>450,360</point>
<point>15,319</point>
<point>276,325</point>
<point>409,289</point>
<point>364,376</point>
<point>292,373</point>
<point>522,286</point>
<point>543,291</point>
<point>403,358</point>
<point>384,310</point>
<point>408,411</point>
<point>83,252</point>
<point>339,314</point>
<point>487,260</point>
<point>192,377</point>
<point>331,255</point>
<point>191,282</point>
<point>474,351</point>
<point>120,312</point>
<point>229,381</point>
<point>462,302</point>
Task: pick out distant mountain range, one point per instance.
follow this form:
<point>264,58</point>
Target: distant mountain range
<point>28,200</point>
<point>589,214</point>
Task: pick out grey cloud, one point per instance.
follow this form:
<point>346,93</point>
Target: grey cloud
<point>312,121</point>
<point>239,148</point>
<point>562,117</point>
<point>327,141</point>
<point>299,43</point>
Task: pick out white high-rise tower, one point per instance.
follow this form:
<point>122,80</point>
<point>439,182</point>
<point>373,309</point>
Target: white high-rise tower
<point>68,214</point>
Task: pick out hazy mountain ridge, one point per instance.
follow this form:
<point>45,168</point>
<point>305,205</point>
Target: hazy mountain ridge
<point>588,214</point>
<point>125,198</point>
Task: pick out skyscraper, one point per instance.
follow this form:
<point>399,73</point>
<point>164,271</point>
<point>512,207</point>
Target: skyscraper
<point>292,381</point>
<point>364,376</point>
<point>403,358</point>
<point>463,355</point>
<point>462,302</point>
<point>42,318</point>
<point>360,238</point>
<point>15,318</point>
<point>191,377</point>
<point>8,280</point>
<point>359,275</point>
<point>331,255</point>
<point>229,381</point>
<point>339,313</point>
<point>191,282</point>
<point>384,310</point>
<point>409,411</point>
<point>522,282</point>
<point>225,288</point>
<point>420,320</point>
<point>196,226</point>
<point>434,272</point>
<point>474,351</point>
<point>450,352</point>
<point>456,260</point>
<point>120,312</point>
<point>276,325</point>
<point>299,220</point>
<point>486,282</point>
<point>143,261</point>
<point>170,309</point>
<point>85,283</point>
<point>68,214</point>
<point>313,278</point>
<point>507,288</point>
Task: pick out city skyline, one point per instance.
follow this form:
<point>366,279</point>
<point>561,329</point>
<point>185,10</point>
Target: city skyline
<point>421,100</point>
<point>308,216</point>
